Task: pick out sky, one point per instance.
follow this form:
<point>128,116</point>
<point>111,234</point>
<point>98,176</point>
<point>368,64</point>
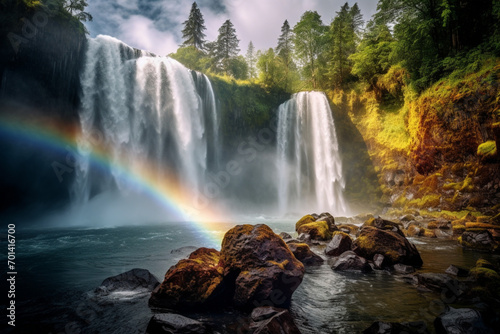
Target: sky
<point>156,25</point>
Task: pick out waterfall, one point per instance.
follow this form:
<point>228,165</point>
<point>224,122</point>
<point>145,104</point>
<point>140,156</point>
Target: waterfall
<point>139,109</point>
<point>309,166</point>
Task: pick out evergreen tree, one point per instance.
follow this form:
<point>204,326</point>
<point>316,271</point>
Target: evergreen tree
<point>77,9</point>
<point>251,60</point>
<point>285,49</point>
<point>309,44</point>
<point>193,29</point>
<point>344,36</point>
<point>227,45</point>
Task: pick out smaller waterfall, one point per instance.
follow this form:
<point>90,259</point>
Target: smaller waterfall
<point>309,165</point>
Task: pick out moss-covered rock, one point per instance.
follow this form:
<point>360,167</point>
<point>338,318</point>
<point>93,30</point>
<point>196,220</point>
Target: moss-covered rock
<point>195,282</point>
<point>393,246</point>
<point>305,255</point>
<point>318,230</point>
<point>304,220</point>
<point>478,239</point>
<point>257,263</point>
<point>487,150</point>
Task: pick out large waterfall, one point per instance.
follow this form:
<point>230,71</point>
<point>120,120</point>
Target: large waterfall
<point>144,112</point>
<point>309,166</point>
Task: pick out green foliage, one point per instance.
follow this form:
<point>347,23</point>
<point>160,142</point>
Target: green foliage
<point>251,59</point>
<point>373,56</point>
<point>310,43</point>
<point>194,26</point>
<point>227,46</point>
<point>192,58</point>
<point>343,36</point>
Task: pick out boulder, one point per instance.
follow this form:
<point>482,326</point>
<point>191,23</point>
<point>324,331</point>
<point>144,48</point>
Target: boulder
<point>132,280</point>
<point>443,234</point>
<point>259,267</point>
<point>385,225</point>
<point>457,271</point>
<point>269,320</point>
<point>403,269</point>
<point>392,245</point>
<point>285,236</point>
<point>449,287</point>
<point>414,231</point>
<point>330,221</point>
<point>307,219</point>
<point>169,323</point>
<point>348,228</point>
<point>305,255</point>
<point>318,230</point>
<point>350,261</point>
<point>480,240</point>
<point>461,321</point>
<point>195,282</point>
<point>340,243</point>
<point>380,327</point>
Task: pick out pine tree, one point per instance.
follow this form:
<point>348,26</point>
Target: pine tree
<point>251,59</point>
<point>193,29</point>
<point>285,49</point>
<point>227,45</point>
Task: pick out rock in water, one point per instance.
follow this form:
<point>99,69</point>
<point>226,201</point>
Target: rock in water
<point>457,271</point>
<point>285,236</point>
<point>330,221</point>
<point>269,320</point>
<point>482,240</point>
<point>340,243</point>
<point>260,267</point>
<point>349,261</point>
<point>132,280</point>
<point>392,245</point>
<point>305,255</point>
<point>169,323</point>
<point>318,230</point>
<point>192,283</point>
<point>396,328</point>
<point>461,321</point>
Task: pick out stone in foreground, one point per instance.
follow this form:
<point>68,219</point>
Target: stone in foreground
<point>392,245</point>
<point>350,261</point>
<point>195,282</point>
<point>305,255</point>
<point>132,280</point>
<point>461,321</point>
<point>269,320</point>
<point>260,267</point>
<point>169,323</point>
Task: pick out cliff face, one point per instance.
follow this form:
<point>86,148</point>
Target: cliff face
<point>436,152</point>
<point>42,50</point>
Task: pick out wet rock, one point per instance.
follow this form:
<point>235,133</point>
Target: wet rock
<point>258,264</point>
<point>169,323</point>
<point>307,219</point>
<point>481,240</point>
<point>461,321</point>
<point>195,282</point>
<point>443,234</point>
<point>457,271</point>
<point>340,243</point>
<point>414,231</point>
<point>318,230</point>
<point>330,221</point>
<point>305,255</point>
<point>392,245</point>
<point>132,280</point>
<point>304,237</point>
<point>407,218</point>
<point>385,225</point>
<point>269,320</point>
<point>449,287</point>
<point>350,261</point>
<point>403,269</point>
<point>349,228</point>
<point>378,261</point>
<point>285,236</point>
<point>380,327</point>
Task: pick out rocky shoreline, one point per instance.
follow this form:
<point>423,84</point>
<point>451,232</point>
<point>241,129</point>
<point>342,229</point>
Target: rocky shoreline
<point>251,280</point>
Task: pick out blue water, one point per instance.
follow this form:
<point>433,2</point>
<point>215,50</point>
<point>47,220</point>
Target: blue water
<point>58,269</point>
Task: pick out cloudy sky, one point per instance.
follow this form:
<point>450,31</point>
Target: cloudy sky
<point>155,25</point>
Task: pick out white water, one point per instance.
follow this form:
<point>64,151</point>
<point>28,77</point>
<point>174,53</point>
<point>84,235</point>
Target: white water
<point>309,165</point>
<point>142,109</point>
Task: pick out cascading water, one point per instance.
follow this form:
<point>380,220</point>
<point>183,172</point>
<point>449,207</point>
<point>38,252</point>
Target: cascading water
<point>142,109</point>
<point>309,166</point>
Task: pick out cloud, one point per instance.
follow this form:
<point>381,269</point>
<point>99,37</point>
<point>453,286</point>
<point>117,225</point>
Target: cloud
<point>156,25</point>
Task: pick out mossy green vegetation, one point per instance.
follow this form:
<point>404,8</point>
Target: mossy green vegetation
<point>487,149</point>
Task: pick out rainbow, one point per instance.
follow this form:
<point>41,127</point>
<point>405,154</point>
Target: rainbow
<point>165,189</point>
